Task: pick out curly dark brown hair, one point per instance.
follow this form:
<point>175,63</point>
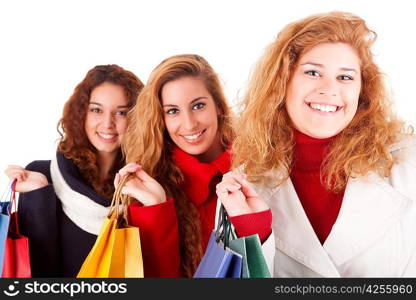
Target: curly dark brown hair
<point>74,143</point>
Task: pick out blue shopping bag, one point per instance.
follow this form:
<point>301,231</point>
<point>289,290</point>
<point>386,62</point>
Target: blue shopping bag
<point>219,262</point>
<point>4,224</point>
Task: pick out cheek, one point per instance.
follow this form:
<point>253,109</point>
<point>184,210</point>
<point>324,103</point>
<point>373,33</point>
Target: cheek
<point>89,122</point>
<point>122,126</point>
<point>210,117</point>
<point>291,106</point>
<point>351,99</point>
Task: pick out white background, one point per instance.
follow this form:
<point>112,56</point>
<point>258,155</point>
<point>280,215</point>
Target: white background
<point>46,48</point>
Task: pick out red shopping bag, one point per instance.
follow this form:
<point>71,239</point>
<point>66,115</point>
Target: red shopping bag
<point>16,251</point>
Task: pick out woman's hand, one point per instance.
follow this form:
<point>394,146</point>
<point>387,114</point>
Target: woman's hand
<point>27,181</point>
<point>238,196</point>
<point>141,186</point>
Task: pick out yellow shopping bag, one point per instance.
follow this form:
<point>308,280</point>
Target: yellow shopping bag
<point>117,250</point>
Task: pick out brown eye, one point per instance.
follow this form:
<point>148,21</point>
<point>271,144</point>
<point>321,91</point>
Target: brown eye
<point>313,73</point>
<point>345,77</point>
<point>198,106</point>
<point>95,110</point>
<point>172,111</point>
<point>121,113</point>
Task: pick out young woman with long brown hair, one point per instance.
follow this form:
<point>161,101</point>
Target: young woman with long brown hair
<point>63,202</point>
<point>177,146</point>
<point>320,141</point>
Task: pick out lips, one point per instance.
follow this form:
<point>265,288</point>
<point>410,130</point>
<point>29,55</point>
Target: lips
<point>107,137</point>
<point>324,107</point>
<point>193,138</point>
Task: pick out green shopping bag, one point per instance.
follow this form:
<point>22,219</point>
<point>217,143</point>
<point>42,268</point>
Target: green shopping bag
<point>249,247</point>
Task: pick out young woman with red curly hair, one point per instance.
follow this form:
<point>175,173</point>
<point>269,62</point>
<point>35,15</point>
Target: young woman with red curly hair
<point>319,140</point>
<point>177,147</point>
<point>63,202</point>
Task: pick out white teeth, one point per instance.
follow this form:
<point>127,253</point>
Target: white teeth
<point>106,136</point>
<point>192,137</point>
<point>325,108</point>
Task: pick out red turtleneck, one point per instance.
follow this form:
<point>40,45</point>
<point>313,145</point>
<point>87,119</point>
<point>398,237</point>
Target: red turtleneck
<point>199,187</point>
<point>320,206</point>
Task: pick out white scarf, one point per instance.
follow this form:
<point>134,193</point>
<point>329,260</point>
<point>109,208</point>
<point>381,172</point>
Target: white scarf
<point>84,212</point>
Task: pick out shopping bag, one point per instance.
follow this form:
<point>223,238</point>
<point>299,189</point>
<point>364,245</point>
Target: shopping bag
<point>16,255</point>
<point>4,227</point>
<point>16,260</point>
<point>253,262</point>
<point>117,250</point>
<point>219,261</point>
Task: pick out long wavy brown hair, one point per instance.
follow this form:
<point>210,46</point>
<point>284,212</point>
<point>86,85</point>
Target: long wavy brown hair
<point>148,143</point>
<point>74,143</point>
<point>264,145</point>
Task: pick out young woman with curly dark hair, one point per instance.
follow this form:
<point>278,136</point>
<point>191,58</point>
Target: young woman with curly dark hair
<point>63,202</point>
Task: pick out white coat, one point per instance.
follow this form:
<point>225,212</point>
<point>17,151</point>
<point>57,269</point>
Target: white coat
<point>373,236</point>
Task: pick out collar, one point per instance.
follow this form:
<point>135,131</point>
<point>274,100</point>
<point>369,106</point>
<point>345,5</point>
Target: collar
<point>79,202</point>
<point>198,175</point>
<point>309,152</point>
<point>370,208</point>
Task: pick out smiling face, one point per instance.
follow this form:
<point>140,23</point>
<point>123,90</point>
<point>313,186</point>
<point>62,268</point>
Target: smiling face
<point>322,95</point>
<point>191,117</point>
<point>106,121</point>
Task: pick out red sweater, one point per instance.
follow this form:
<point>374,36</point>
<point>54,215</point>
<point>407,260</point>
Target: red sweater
<point>321,207</point>
<point>159,226</point>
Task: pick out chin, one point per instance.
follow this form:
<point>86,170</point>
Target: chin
<point>322,134</point>
<point>107,149</point>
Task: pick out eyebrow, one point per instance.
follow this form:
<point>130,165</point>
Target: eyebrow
<point>99,104</point>
<point>322,66</point>
<point>194,100</point>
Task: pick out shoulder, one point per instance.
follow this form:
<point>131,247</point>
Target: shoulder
<point>404,145</point>
<point>404,151</point>
<point>41,166</point>
<point>403,173</point>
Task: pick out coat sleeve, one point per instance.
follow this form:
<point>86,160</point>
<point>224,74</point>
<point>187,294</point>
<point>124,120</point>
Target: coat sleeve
<point>159,237</point>
<point>249,224</point>
<point>37,216</point>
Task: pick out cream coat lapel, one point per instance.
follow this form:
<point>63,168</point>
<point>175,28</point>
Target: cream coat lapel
<point>370,208</point>
<point>294,234</point>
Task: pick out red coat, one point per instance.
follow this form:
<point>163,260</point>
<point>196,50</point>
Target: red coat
<point>159,226</point>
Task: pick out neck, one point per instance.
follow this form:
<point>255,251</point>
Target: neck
<point>105,163</point>
<point>309,152</point>
<point>212,153</point>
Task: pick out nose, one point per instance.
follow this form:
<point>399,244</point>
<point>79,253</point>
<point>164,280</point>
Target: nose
<point>108,120</point>
<point>328,87</point>
<point>189,122</point>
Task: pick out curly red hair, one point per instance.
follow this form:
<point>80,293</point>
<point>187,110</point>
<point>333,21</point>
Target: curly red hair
<point>74,143</point>
<point>264,144</point>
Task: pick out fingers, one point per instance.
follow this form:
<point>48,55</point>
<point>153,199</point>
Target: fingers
<point>141,174</point>
<point>246,187</point>
<point>227,186</point>
<point>116,180</point>
<point>16,172</point>
<point>129,168</point>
